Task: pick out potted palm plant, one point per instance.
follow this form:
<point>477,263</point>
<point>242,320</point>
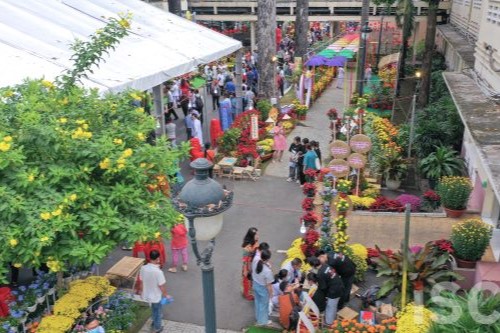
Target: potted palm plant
<point>454,192</point>
<point>393,167</point>
<point>442,162</point>
<point>470,239</point>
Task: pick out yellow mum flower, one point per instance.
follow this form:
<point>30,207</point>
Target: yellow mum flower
<point>117,141</point>
<point>80,121</point>
<point>17,265</point>
<point>47,84</point>
<point>44,239</point>
<point>13,242</point>
<point>143,165</point>
<point>4,146</point>
<point>62,120</point>
<point>57,212</point>
<point>139,110</point>
<point>7,138</point>
<point>127,152</point>
<point>73,197</point>
<point>31,177</point>
<point>45,216</point>
<point>141,136</point>
<point>85,126</point>
<point>157,234</point>
<point>105,164</point>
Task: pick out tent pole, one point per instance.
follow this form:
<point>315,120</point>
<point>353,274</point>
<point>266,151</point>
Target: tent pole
<point>158,107</point>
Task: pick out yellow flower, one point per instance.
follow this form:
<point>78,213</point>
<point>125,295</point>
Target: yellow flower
<point>80,121</point>
<point>31,177</point>
<point>13,242</point>
<point>62,120</point>
<point>85,126</point>
<point>157,234</point>
<point>73,197</point>
<point>4,146</point>
<point>141,136</point>
<point>45,216</point>
<point>44,239</point>
<point>143,165</point>
<point>57,212</point>
<point>105,164</point>
<point>124,23</point>
<point>127,152</point>
<point>47,84</point>
<point>139,110</point>
<point>117,141</point>
<point>7,138</point>
<point>17,265</point>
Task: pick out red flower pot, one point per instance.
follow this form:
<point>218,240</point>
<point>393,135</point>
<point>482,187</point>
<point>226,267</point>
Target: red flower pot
<point>454,213</point>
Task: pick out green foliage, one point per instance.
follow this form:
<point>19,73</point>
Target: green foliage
<point>74,170</point>
<point>427,265</point>
<point>361,267</point>
<point>438,124</point>
<point>471,238</point>
<point>90,53</point>
<point>442,162</point>
<point>264,106</point>
<point>449,304</point>
<point>229,140</point>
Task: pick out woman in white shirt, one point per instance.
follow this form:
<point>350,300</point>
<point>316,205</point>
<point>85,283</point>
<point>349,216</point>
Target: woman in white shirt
<point>262,277</point>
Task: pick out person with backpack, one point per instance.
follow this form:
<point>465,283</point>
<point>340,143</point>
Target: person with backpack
<point>198,103</point>
<point>289,305</point>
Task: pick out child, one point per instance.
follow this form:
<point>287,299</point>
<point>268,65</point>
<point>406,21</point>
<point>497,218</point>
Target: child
<point>179,246</point>
<point>92,325</point>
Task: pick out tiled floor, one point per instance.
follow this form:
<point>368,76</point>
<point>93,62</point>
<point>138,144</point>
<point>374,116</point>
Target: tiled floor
<point>175,327</point>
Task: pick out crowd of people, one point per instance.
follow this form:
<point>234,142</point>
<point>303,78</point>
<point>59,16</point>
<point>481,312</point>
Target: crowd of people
<point>328,283</point>
<point>304,155</point>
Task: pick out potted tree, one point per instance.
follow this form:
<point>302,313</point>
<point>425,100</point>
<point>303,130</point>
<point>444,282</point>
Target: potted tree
<point>454,192</point>
<point>470,239</point>
<point>442,162</point>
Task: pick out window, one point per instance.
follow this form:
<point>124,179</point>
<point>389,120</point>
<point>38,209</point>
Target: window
<point>493,14</point>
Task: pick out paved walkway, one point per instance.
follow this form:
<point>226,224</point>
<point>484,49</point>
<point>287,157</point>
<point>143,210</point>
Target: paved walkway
<point>315,127</point>
<point>176,327</point>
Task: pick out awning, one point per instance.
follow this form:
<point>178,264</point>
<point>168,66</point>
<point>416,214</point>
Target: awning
<point>35,38</point>
<point>388,59</point>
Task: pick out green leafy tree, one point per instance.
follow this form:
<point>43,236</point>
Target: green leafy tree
<point>76,174</point>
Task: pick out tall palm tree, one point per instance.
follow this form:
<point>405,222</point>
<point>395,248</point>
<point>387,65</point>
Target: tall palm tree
<point>266,44</point>
<point>430,36</point>
<point>301,27</point>
<point>405,19</point>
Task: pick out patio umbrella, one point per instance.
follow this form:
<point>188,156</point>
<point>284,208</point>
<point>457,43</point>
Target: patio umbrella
<point>336,61</point>
<point>349,54</point>
<point>316,61</point>
<point>327,53</point>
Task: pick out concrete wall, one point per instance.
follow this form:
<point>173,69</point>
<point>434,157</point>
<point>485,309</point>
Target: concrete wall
<point>489,34</point>
<point>466,16</point>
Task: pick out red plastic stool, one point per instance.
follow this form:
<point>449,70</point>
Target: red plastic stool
<point>160,247</point>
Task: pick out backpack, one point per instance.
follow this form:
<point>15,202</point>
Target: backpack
<point>369,296</point>
<point>199,103</point>
<point>293,317</point>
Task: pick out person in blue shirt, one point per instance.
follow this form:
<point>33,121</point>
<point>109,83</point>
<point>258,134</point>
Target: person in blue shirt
<point>188,121</point>
<point>230,87</point>
<point>310,158</point>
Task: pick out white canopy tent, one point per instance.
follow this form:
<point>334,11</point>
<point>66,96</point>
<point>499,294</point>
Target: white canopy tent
<point>35,38</point>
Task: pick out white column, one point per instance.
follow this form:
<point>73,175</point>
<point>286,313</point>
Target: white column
<point>252,36</point>
<point>158,107</point>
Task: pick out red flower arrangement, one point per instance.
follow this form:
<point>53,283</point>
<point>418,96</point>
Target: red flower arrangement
<point>307,204</point>
<point>332,114</point>
<point>444,245</point>
<point>431,195</point>
<point>309,188</point>
<point>310,218</point>
<point>309,247</point>
<point>385,204</point>
<point>310,175</point>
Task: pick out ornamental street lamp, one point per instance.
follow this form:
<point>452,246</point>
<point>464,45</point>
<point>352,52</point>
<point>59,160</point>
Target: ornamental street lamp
<point>202,201</point>
<point>365,33</point>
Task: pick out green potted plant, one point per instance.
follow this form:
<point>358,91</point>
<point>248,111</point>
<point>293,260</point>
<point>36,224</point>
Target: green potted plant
<point>393,168</point>
<point>470,239</point>
<point>454,192</point>
<point>442,162</point>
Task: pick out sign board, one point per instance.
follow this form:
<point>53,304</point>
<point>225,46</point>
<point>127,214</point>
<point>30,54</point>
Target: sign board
<point>360,143</point>
<point>356,161</point>
<point>339,168</point>
<point>254,127</point>
<point>339,149</point>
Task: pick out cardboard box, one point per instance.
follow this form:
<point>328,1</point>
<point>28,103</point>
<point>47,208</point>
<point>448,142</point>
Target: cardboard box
<point>347,314</point>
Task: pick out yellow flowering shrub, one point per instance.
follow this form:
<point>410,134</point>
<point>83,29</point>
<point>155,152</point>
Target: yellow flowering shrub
<point>359,250</point>
<point>55,324</point>
<point>414,319</point>
<point>361,202</point>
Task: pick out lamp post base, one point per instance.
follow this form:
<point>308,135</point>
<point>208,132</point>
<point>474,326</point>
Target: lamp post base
<point>209,298</point>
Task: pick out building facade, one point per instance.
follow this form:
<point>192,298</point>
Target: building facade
<point>471,44</point>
